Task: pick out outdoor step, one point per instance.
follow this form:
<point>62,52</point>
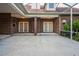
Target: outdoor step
<point>47,34</point>
<point>32,34</point>
<point>23,34</point>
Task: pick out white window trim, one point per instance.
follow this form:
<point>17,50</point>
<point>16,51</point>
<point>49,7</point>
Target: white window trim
<point>47,7</point>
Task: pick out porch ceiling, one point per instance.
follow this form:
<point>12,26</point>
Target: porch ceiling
<point>7,8</point>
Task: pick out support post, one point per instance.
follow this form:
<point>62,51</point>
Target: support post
<point>59,24</point>
<point>35,26</point>
<point>71,23</point>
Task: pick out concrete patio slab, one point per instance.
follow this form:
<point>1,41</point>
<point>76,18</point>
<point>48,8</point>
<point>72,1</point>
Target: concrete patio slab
<point>4,36</point>
<point>38,46</point>
<point>23,34</point>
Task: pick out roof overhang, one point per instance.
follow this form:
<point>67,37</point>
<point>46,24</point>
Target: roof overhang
<point>52,13</point>
<point>20,8</point>
<point>49,16</point>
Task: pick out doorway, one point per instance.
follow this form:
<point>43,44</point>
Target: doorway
<point>23,27</point>
<point>47,26</point>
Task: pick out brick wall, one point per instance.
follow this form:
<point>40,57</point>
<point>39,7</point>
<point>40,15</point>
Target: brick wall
<point>5,23</point>
<point>67,18</point>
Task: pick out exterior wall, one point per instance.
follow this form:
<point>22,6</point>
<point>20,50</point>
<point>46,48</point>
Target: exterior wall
<point>5,23</point>
<point>56,25</point>
<point>31,23</point>
<point>9,24</point>
<point>64,18</point>
<point>39,25</point>
<point>14,24</point>
<point>67,18</point>
<point>35,5</point>
<point>55,22</point>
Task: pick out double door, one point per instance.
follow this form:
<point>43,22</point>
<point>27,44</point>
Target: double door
<point>47,26</point>
<point>23,27</point>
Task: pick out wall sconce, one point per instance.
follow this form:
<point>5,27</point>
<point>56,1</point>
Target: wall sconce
<point>22,17</point>
<point>64,21</point>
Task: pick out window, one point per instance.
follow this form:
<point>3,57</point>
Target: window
<point>51,5</point>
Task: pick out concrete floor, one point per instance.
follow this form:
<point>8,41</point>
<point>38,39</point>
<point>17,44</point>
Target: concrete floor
<point>4,36</point>
<point>38,46</point>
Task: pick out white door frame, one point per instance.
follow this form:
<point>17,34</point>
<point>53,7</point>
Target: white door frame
<point>27,26</point>
<point>24,26</point>
<point>19,26</point>
<point>47,25</point>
